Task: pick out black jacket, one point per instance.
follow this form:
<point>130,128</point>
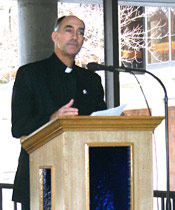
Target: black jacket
<point>40,89</point>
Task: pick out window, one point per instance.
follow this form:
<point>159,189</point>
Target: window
<point>8,67</point>
<point>151,31</point>
<point>132,36</point>
<point>9,147</point>
<point>160,34</point>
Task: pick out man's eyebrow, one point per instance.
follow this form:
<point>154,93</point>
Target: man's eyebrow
<point>70,26</point>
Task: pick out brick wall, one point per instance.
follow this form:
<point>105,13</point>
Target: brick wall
<point>171,124</point>
<point>138,112</point>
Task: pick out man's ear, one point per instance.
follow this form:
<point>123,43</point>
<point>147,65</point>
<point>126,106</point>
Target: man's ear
<point>54,36</point>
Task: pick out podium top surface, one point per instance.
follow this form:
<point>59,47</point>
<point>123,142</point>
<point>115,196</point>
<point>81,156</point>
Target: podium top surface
<point>88,123</point>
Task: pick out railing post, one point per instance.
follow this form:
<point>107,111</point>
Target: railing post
<point>15,206</point>
<point>5,186</point>
<point>0,198</point>
<point>162,203</point>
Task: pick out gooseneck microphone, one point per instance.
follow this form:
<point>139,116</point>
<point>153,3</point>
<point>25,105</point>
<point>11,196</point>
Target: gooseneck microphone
<point>97,67</point>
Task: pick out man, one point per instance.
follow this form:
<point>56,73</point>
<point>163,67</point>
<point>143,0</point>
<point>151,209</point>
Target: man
<point>51,88</point>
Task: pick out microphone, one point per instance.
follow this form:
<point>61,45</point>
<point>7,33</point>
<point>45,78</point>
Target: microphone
<point>97,67</point>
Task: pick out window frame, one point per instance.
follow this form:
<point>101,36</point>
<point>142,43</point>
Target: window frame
<point>159,3</point>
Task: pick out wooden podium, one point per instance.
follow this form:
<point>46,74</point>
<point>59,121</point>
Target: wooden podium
<point>63,146</point>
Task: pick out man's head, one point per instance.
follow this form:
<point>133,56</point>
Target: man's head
<point>68,36</point>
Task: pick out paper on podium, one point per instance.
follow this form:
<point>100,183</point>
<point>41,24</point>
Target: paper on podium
<point>117,111</point>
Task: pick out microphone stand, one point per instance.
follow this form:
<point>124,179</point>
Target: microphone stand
<point>142,71</point>
<point>168,202</point>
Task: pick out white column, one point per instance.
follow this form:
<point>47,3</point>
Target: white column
<point>36,22</point>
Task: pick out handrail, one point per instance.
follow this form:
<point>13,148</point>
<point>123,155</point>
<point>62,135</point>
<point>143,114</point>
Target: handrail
<point>6,186</point>
<point>156,193</point>
<point>163,195</point>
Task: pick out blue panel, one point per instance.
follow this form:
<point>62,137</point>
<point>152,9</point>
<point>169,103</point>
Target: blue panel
<point>46,189</point>
<point>109,178</point>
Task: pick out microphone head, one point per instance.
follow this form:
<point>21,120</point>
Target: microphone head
<point>95,66</point>
<point>98,67</point>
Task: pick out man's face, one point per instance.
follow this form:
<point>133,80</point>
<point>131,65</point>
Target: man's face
<point>70,36</point>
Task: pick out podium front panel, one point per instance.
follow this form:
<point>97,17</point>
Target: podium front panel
<point>110,177</point>
<point>68,155</point>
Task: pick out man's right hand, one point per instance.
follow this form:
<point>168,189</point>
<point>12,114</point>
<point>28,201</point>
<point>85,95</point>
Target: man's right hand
<point>66,110</point>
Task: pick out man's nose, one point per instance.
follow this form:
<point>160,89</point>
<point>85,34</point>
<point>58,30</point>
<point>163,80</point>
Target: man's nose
<point>75,35</point>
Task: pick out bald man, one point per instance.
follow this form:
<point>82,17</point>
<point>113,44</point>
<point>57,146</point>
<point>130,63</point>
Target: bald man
<point>51,88</point>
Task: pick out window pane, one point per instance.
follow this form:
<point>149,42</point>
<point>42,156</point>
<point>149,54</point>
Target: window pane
<point>131,37</point>
<point>8,68</point>
<point>8,41</point>
<point>158,39</point>
<point>173,33</point>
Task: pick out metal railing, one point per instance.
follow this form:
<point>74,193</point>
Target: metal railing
<point>162,196</point>
<point>157,194</point>
<point>5,186</point>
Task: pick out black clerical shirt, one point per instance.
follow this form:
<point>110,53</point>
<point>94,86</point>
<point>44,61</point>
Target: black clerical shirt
<point>66,81</point>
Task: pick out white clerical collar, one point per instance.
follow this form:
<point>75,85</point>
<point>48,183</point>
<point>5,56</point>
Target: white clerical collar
<point>68,70</point>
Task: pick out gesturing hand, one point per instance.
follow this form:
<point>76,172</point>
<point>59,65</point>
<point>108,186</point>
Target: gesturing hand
<point>66,110</point>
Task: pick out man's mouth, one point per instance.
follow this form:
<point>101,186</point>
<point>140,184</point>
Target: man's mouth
<point>73,43</point>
